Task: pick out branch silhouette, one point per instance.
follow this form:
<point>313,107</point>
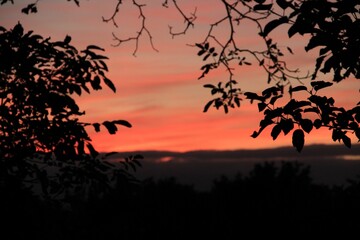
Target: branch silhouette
<point>41,137</point>
<point>143,28</point>
<point>331,28</point>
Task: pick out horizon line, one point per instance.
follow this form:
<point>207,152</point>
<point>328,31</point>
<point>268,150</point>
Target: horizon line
<point>338,146</point>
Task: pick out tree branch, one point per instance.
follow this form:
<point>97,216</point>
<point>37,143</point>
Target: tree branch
<point>136,38</point>
<point>189,21</point>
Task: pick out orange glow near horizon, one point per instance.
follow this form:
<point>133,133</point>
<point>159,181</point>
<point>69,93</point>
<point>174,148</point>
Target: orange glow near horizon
<point>158,92</point>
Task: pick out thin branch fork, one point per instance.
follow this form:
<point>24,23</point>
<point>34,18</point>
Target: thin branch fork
<point>143,27</point>
<point>189,21</point>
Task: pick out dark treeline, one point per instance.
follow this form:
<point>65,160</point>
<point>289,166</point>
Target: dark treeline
<point>272,200</point>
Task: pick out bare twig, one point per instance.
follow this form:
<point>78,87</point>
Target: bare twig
<point>112,18</point>
<point>143,27</point>
<point>189,21</point>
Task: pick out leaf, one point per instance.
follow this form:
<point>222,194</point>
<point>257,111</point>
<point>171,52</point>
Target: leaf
<point>317,85</point>
<point>273,24</point>
<point>262,7</point>
<point>265,122</point>
<point>293,105</point>
<point>201,52</point>
<point>199,45</point>
<point>97,127</point>
<point>297,89</point>
<point>123,123</point>
<point>273,113</point>
<point>336,135</point>
<point>319,61</point>
<point>209,86</point>
<point>357,133</point>
<point>306,125</point>
<point>312,109</point>
<point>298,139</point>
<point>18,29</point>
<point>253,96</point>
<point>255,134</point>
<point>80,148</point>
<point>206,57</point>
<point>346,140</point>
<point>103,64</point>
<point>297,115</point>
<point>206,46</point>
<point>275,131</point>
<point>317,123</point>
<point>226,109</point>
<point>357,117</point>
<point>29,8</point>
<point>110,84</point>
<point>293,30</point>
<point>208,105</point>
<point>329,63</point>
<point>315,41</point>
<point>85,88</point>
<point>261,106</point>
<point>237,101</point>
<point>214,91</point>
<point>283,4</point>
<point>77,89</point>
<point>95,84</point>
<point>92,150</point>
<point>290,50</point>
<point>110,126</point>
<point>67,39</point>
<point>286,125</point>
<point>270,90</point>
<point>98,57</point>
<point>94,47</point>
<point>323,51</point>
<point>354,126</point>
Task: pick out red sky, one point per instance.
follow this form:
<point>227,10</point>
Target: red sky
<point>158,92</point>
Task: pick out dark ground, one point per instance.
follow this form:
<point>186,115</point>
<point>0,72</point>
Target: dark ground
<point>272,200</point>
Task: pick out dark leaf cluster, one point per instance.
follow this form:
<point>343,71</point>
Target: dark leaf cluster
<point>229,97</point>
<point>315,112</point>
<point>332,28</point>
<point>39,117</point>
<point>32,7</point>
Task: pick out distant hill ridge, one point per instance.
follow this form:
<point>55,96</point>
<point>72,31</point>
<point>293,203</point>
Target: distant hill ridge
<point>200,168</point>
<point>310,152</point>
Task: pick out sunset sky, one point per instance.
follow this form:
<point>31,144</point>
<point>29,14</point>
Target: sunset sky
<point>158,92</point>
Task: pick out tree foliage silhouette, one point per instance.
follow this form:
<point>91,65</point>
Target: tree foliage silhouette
<point>331,26</point>
<point>332,29</point>
<point>41,136</point>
